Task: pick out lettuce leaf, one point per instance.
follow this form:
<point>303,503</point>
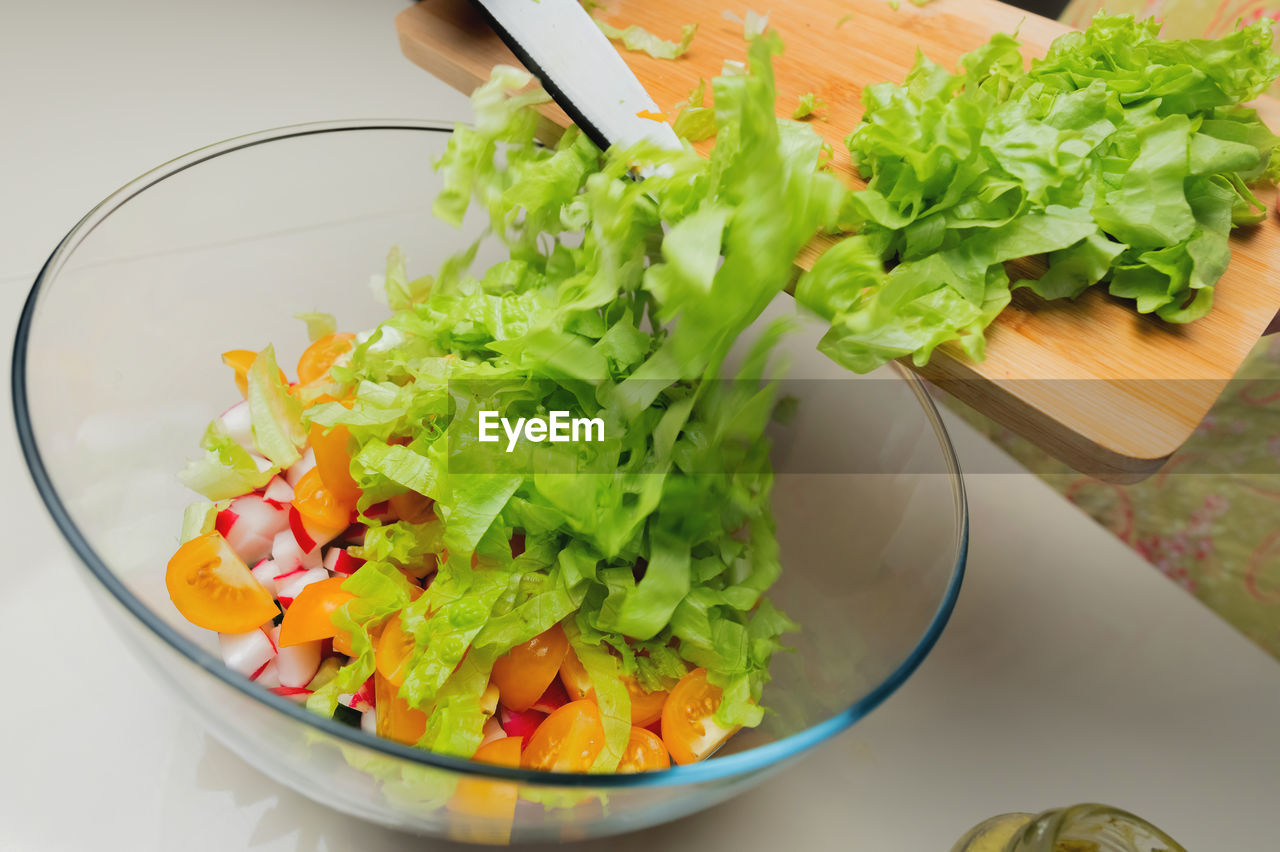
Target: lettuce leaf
<point>638,38</point>
<point>275,413</point>
<point>227,469</point>
<point>1121,157</point>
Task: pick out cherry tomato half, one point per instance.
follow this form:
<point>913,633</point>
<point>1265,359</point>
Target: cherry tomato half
<point>644,753</point>
<point>213,588</point>
<point>393,650</point>
<point>688,729</point>
<point>310,616</point>
<point>493,802</point>
<point>333,461</point>
<point>646,707</point>
<point>525,672</point>
<point>569,740</point>
<point>319,506</point>
<point>396,719</point>
<point>318,358</point>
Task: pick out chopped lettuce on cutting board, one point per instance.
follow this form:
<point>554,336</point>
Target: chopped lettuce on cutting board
<point>1123,158</point>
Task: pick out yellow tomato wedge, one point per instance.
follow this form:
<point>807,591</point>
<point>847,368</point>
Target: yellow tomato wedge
<point>569,740</point>
<point>490,805</point>
<point>310,616</point>
<point>644,752</point>
<point>320,356</point>
<point>525,672</point>
<point>333,461</point>
<point>646,707</point>
<point>688,728</point>
<point>393,650</point>
<point>319,506</point>
<point>213,588</point>
<point>396,719</point>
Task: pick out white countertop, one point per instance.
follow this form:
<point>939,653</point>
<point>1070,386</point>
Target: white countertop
<point>1071,671</point>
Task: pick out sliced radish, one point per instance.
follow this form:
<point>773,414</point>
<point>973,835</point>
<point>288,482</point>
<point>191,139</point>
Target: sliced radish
<point>341,562</point>
<point>268,676</point>
<point>553,699</point>
<point>246,653</point>
<point>238,424</point>
<point>278,490</point>
<point>492,731</point>
<point>250,525</point>
<point>353,535</point>
<point>289,585</point>
<point>289,555</point>
<point>521,724</point>
<point>309,536</point>
<point>294,693</point>
<point>265,572</point>
<point>363,699</point>
<point>296,665</point>
<point>378,511</point>
<point>262,463</point>
<point>301,466</point>
<point>369,722</point>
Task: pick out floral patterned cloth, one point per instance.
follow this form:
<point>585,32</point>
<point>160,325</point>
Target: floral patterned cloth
<point>1215,533</point>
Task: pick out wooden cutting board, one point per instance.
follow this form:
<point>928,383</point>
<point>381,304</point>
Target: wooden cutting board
<point>1106,390</point>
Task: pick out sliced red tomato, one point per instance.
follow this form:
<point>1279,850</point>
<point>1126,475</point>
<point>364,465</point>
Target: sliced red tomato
<point>525,672</point>
<point>645,752</point>
<point>310,616</point>
<point>688,729</point>
<point>646,707</point>
<point>396,719</point>
<point>318,358</point>
<point>319,506</point>
<point>213,589</point>
<point>569,740</point>
<point>333,461</point>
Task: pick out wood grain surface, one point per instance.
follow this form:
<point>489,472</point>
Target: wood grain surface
<point>1106,390</point>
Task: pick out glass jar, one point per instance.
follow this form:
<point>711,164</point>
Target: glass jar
<point>1080,828</point>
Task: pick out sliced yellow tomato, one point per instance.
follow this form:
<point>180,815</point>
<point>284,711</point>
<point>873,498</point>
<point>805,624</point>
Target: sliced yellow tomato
<point>393,650</point>
<point>213,589</point>
<point>524,673</point>
<point>333,461</point>
<point>310,616</point>
<point>646,707</point>
<point>688,729</point>
<point>318,358</point>
<point>645,752</point>
<point>240,360</point>
<point>319,506</point>
<point>569,740</point>
<point>413,507</point>
<point>490,804</point>
<point>396,719</point>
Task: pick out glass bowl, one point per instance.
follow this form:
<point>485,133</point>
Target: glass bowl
<point>116,372</point>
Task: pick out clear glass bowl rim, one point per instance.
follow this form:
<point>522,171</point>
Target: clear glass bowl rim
<point>720,768</point>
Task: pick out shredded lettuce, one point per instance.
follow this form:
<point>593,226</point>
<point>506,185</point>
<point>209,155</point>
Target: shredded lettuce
<point>227,469</point>
<point>695,122</point>
<point>199,519</point>
<point>318,324</point>
<point>276,415</point>
<point>1121,157</point>
<point>638,38</point>
<point>807,106</point>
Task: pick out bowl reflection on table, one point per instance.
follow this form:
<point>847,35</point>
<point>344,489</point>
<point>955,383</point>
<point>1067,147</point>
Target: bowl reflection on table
<point>116,372</point>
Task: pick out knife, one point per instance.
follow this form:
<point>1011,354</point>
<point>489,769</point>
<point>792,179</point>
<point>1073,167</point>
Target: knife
<point>558,42</point>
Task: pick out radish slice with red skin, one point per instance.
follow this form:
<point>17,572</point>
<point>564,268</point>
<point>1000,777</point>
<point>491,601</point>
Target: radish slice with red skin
<point>553,699</point>
<point>492,731</point>
<point>291,585</point>
<point>521,724</point>
<point>364,697</point>
<point>265,572</point>
<point>298,468</point>
<point>309,536</point>
<point>293,693</point>
<point>339,561</point>
<point>238,424</point>
<point>353,535</point>
<point>250,525</point>
<point>369,722</point>
<point>288,554</point>
<point>268,677</point>
<point>246,653</point>
<point>296,665</point>
<point>278,490</point>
